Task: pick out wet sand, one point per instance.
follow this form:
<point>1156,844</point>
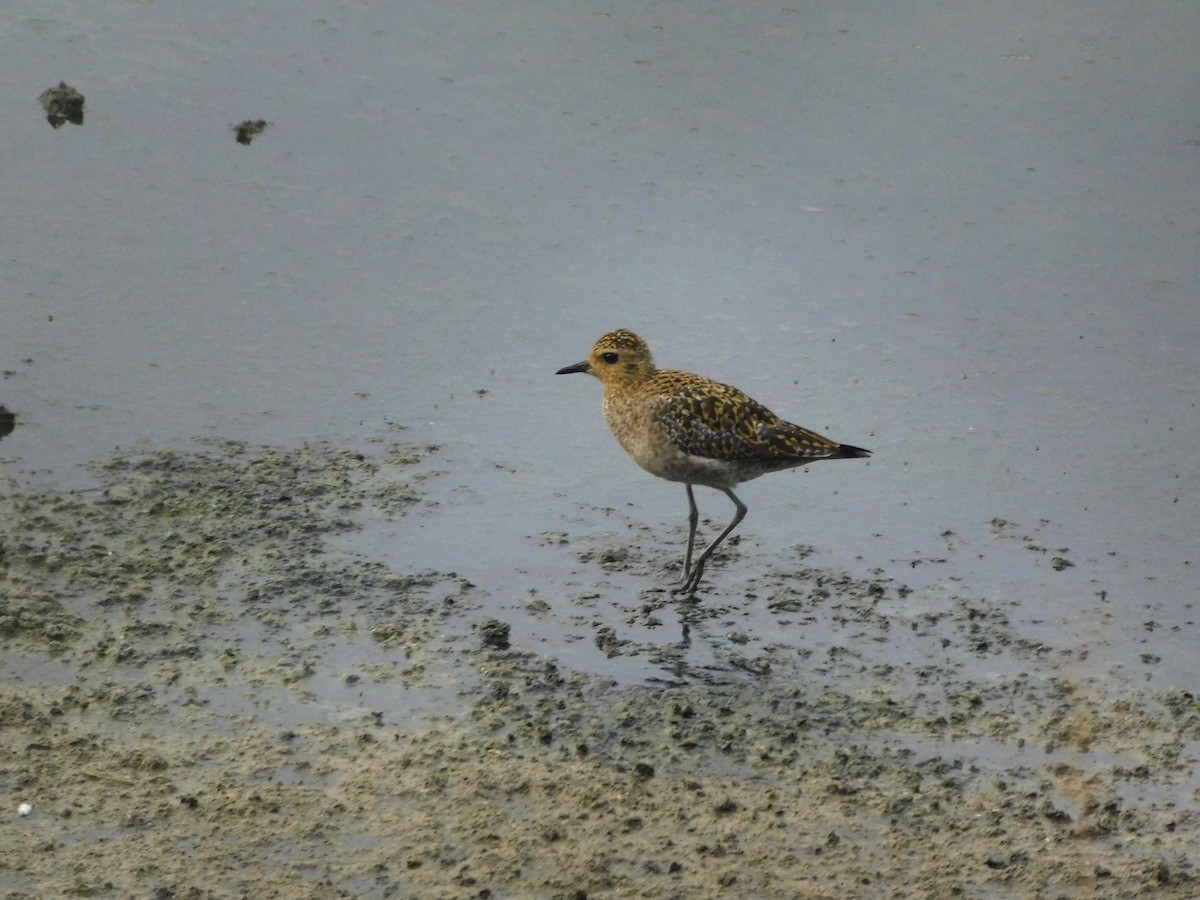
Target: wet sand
<point>206,695</point>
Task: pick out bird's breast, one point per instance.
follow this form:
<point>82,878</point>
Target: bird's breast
<point>638,425</point>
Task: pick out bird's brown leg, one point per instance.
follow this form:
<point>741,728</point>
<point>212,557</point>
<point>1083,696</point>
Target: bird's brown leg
<point>692,581</point>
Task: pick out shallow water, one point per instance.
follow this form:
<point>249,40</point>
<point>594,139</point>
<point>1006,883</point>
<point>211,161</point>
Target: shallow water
<point>965,243</point>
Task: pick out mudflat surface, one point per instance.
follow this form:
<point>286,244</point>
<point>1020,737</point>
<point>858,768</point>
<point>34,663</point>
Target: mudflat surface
<point>208,696</point>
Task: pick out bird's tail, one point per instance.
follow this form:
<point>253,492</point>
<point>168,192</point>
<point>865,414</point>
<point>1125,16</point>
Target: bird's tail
<point>847,451</point>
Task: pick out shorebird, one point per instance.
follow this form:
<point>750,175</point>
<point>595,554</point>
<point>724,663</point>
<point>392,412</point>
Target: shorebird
<point>689,428</point>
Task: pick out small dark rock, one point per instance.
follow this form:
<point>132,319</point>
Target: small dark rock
<point>62,104</point>
<point>248,130</point>
<point>1053,813</point>
<point>1161,873</point>
<point>494,634</point>
<point>8,421</point>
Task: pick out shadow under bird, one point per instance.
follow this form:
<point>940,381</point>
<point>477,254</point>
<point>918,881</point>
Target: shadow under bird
<point>689,428</point>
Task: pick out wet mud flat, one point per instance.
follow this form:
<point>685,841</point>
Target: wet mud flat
<point>205,695</point>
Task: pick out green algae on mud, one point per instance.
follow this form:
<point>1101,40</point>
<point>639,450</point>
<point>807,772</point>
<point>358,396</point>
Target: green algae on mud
<point>206,695</point>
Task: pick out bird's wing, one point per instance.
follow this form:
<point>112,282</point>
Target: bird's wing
<point>721,422</point>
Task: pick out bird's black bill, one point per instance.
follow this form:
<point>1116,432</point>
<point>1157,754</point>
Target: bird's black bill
<point>578,367</point>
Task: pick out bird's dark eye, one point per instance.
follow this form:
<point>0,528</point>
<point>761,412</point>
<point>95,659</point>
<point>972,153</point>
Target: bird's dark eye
<point>610,357</point>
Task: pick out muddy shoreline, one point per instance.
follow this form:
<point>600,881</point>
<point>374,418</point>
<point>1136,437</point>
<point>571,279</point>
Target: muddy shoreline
<point>203,697</point>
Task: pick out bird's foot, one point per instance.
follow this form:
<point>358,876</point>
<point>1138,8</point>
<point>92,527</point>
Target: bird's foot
<point>691,581</point>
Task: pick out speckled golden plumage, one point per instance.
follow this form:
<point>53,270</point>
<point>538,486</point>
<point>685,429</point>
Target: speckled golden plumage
<point>688,428</point>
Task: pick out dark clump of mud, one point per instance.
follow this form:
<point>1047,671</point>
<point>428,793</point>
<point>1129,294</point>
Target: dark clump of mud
<point>204,694</point>
<point>247,131</point>
<point>62,104</point>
